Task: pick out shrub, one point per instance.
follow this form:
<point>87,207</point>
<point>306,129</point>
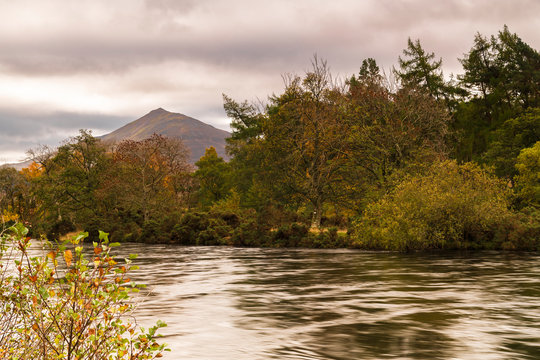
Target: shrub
<point>249,233</point>
<point>452,206</point>
<point>290,235</point>
<point>187,230</point>
<point>59,305</point>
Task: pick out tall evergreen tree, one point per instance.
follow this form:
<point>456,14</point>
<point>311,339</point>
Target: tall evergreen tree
<point>419,69</point>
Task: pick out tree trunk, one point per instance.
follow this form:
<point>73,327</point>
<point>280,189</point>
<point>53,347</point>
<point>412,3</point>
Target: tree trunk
<point>317,214</point>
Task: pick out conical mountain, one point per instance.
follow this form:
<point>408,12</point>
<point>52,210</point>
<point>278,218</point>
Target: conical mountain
<point>195,134</point>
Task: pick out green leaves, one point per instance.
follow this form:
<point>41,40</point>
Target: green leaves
<point>80,237</point>
<point>103,236</point>
<point>19,230</point>
<point>43,293</point>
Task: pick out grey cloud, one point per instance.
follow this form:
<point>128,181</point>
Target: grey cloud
<point>163,8</point>
<point>322,28</point>
<point>24,130</point>
<point>15,123</point>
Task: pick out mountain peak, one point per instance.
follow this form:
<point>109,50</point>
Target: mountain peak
<point>197,136</point>
<point>159,110</point>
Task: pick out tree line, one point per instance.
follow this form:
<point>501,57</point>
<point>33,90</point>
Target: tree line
<point>413,160</point>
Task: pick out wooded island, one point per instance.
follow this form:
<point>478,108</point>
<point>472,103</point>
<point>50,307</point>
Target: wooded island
<point>410,160</point>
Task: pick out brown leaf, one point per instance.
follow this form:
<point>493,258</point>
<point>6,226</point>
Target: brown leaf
<point>68,256</point>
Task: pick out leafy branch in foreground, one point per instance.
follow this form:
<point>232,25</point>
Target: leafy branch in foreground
<point>59,305</point>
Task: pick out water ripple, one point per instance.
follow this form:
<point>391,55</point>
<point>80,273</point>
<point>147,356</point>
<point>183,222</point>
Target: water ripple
<point>230,303</point>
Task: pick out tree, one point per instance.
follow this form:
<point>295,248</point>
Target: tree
<point>502,71</point>
<point>303,140</point>
<point>369,73</point>
<point>213,175</point>
<point>290,153</point>
<point>528,180</point>
<point>246,123</point>
<point>68,181</point>
<point>510,138</point>
<point>12,194</point>
<point>502,77</point>
<point>420,70</point>
<point>390,133</point>
<point>149,175</point>
<point>247,156</point>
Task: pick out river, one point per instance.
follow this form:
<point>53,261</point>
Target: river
<point>232,303</point>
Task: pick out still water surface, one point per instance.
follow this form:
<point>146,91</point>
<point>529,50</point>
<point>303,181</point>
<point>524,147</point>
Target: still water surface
<point>230,303</point>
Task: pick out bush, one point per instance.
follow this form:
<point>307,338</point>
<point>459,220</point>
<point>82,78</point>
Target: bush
<point>59,305</point>
<point>187,230</point>
<point>219,226</point>
<point>452,206</point>
<point>250,233</point>
<point>522,231</point>
<point>290,235</point>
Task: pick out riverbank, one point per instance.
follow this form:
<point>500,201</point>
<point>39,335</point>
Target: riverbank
<point>239,229</point>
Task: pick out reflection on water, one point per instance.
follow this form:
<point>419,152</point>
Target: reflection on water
<point>229,303</point>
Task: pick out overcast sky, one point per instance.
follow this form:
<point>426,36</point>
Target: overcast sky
<point>98,64</point>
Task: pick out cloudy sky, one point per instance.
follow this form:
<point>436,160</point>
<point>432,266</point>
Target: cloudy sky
<point>98,64</point>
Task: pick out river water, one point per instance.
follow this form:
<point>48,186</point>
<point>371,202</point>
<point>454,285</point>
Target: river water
<point>232,303</point>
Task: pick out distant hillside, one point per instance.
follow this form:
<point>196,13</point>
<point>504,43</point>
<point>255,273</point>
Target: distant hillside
<point>195,134</point>
<point>18,166</point>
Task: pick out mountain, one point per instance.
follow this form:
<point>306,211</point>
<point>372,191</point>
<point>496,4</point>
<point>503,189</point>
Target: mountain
<point>195,134</point>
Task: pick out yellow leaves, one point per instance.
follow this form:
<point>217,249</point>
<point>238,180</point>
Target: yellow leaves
<point>68,257</point>
<point>34,170</point>
<point>9,215</point>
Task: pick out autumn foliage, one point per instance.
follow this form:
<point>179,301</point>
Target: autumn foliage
<point>58,304</point>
